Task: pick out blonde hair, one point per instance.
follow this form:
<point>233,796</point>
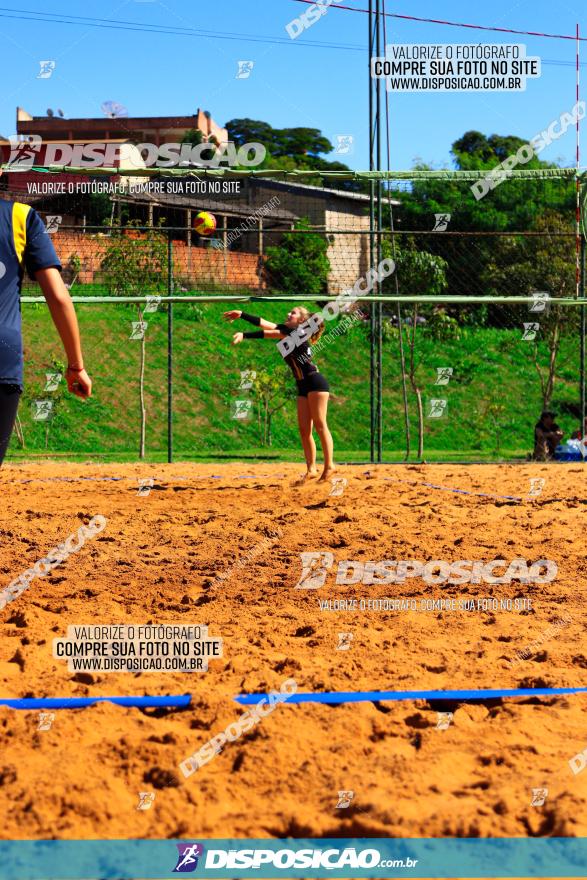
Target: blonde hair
<point>305,315</point>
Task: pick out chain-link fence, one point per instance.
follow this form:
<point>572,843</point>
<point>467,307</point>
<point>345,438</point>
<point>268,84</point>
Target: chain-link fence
<point>472,335</point>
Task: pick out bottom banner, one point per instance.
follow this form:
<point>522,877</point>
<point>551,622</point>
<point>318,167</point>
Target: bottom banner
<point>337,857</point>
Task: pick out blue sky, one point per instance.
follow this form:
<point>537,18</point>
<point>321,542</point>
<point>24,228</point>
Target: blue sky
<point>292,83</point>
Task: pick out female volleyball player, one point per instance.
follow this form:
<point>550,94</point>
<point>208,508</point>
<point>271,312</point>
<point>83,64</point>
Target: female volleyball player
<point>313,389</point>
<point>24,243</point>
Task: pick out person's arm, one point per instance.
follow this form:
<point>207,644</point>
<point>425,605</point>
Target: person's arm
<point>65,320</point>
<point>252,319</point>
<point>273,333</point>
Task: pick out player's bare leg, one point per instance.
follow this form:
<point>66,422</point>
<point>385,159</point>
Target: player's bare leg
<point>318,405</point>
<point>309,446</point>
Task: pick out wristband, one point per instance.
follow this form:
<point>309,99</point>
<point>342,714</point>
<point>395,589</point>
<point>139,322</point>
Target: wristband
<point>252,319</point>
<point>254,334</point>
<point>75,369</point>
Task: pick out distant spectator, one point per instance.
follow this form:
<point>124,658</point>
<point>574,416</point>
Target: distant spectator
<point>580,435</point>
<point>547,436</point>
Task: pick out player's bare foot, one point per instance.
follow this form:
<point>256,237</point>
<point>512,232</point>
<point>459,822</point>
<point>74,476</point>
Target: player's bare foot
<point>309,475</point>
<point>326,474</point>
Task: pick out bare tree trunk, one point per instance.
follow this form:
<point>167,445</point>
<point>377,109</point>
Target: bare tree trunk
<point>420,423</point>
<point>18,431</point>
<point>414,384</point>
<point>404,388</point>
<point>547,379</point>
<point>540,376</point>
<point>552,364</point>
<point>142,391</point>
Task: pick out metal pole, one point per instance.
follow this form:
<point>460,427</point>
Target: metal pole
<point>372,236</point>
<point>578,166</point>
<point>169,351</point>
<point>583,330</point>
<point>292,297</point>
<point>379,305</point>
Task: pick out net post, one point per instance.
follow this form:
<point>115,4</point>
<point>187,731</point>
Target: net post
<point>582,340</point>
<point>379,306</point>
<point>169,349</point>
<point>373,316</point>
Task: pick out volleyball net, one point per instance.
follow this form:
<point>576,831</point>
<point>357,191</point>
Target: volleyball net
<point>477,325</point>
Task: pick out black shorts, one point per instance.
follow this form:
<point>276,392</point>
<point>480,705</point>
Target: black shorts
<point>9,398</point>
<point>312,382</point>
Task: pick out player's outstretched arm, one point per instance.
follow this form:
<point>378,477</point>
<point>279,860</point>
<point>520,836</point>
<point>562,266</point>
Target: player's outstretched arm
<point>65,320</point>
<point>252,319</point>
<point>274,333</point>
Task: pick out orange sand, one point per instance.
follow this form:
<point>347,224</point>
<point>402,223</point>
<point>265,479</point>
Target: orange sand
<point>155,563</point>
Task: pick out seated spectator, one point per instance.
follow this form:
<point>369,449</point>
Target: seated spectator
<point>547,436</point>
<point>580,435</point>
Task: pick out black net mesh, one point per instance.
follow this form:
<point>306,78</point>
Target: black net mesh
<point>485,318</point>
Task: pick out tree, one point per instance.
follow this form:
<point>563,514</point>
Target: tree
<point>195,137</point>
<point>74,266</point>
<point>57,395</point>
<point>135,265</point>
<point>272,391</point>
<point>299,265</point>
<point>99,209</point>
<point>292,148</point>
<point>279,142</point>
<point>544,263</point>
<point>514,205</point>
<point>417,273</point>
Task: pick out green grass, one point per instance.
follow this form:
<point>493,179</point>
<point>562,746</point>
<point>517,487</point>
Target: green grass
<point>493,398</point>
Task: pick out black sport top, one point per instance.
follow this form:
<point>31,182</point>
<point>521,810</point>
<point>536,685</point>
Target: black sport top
<point>300,359</point>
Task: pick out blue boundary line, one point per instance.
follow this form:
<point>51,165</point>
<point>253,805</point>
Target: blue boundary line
<point>456,491</point>
<point>131,480</point>
<point>179,701</point>
<point>379,696</point>
<point>184,700</point>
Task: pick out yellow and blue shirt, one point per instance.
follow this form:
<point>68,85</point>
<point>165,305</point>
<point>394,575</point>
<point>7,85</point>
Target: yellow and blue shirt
<point>24,244</point>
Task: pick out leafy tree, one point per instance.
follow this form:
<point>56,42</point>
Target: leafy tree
<point>42,392</point>
<point>195,137</point>
<point>299,265</point>
<point>514,205</point>
<point>272,391</point>
<point>292,142</point>
<point>476,151</point>
<point>544,263</point>
<point>99,209</point>
<point>292,148</point>
<point>248,131</point>
<point>58,368</point>
<point>135,263</point>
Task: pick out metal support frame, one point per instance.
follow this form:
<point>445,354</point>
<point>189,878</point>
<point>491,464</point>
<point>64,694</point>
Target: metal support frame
<point>375,239</point>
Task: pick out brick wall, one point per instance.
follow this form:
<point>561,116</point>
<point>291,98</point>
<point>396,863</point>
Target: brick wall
<point>191,265</point>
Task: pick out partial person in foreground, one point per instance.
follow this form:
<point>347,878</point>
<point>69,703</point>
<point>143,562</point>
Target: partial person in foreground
<point>25,244</point>
<point>313,388</point>
<point>580,434</point>
<point>547,436</point>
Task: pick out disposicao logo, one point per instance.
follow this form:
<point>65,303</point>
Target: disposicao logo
<point>187,860</point>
